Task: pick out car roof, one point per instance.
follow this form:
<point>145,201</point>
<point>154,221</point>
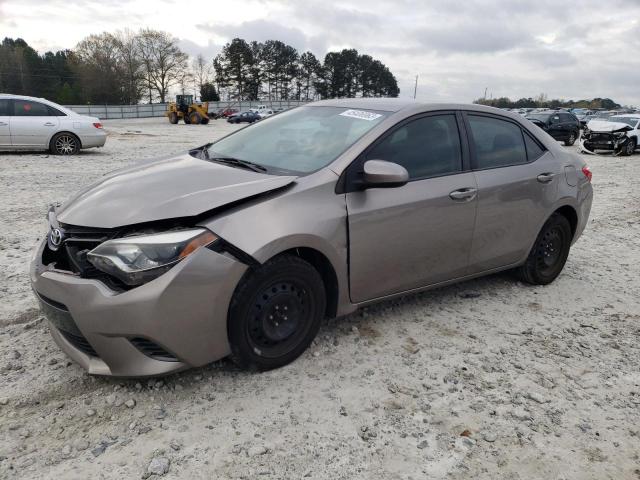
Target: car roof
<point>401,104</point>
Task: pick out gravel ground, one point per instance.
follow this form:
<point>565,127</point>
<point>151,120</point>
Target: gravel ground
<point>486,379</point>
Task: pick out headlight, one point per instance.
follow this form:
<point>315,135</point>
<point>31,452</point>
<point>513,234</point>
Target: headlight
<point>137,260</point>
<point>620,134</point>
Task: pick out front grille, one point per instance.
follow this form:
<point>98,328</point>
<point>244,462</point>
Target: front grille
<point>79,342</point>
<point>152,350</point>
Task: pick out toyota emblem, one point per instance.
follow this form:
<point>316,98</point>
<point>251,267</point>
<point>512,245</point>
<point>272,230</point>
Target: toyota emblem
<point>56,237</point>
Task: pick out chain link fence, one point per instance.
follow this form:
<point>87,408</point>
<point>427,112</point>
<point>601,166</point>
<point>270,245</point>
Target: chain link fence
<point>108,112</point>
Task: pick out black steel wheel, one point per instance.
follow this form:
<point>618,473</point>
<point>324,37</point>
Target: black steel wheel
<point>275,313</point>
<point>571,140</point>
<point>549,253</point>
<point>64,144</point>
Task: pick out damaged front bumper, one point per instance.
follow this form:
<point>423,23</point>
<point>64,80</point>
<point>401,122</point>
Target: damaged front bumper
<point>592,141</point>
<point>177,321</point>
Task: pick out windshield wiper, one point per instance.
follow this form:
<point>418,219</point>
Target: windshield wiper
<point>236,162</point>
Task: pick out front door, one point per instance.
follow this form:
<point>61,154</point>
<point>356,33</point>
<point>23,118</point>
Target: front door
<point>5,132</point>
<point>32,124</point>
<point>418,234</point>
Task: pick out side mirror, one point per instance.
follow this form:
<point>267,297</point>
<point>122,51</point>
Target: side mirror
<point>383,174</point>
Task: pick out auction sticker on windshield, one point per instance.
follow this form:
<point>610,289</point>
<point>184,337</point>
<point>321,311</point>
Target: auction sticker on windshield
<point>361,114</point>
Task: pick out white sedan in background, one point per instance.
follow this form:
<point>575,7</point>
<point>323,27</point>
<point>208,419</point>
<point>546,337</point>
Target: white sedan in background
<point>28,123</point>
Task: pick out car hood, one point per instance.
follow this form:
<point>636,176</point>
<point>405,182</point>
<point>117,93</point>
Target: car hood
<point>181,186</point>
<point>605,126</point>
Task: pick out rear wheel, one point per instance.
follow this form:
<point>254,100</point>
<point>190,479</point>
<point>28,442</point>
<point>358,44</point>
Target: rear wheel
<point>549,254</point>
<point>275,313</point>
<point>64,144</point>
<point>195,118</point>
<point>173,118</point>
<point>629,148</point>
<point>571,140</point>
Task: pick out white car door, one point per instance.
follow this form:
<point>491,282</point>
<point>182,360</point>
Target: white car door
<point>5,132</point>
<point>32,124</point>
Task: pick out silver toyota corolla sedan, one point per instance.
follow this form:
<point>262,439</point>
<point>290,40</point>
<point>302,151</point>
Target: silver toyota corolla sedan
<point>241,247</point>
<point>28,123</point>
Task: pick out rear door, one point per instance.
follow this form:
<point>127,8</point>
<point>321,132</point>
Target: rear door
<point>5,132</point>
<point>418,234</point>
<point>517,187</point>
<point>32,124</point>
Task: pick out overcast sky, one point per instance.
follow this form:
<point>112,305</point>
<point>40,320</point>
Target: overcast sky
<point>515,48</point>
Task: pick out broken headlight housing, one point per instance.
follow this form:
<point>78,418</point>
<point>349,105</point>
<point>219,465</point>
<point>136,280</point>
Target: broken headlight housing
<point>139,259</point>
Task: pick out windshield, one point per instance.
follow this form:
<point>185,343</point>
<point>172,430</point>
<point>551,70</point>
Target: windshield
<point>300,140</point>
<point>628,120</point>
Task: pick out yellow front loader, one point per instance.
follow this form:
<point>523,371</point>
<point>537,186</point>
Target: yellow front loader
<point>184,108</point>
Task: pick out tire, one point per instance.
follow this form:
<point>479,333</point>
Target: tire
<point>629,148</point>
<point>571,140</point>
<point>195,118</point>
<point>204,121</point>
<point>173,118</point>
<point>262,336</point>
<point>186,119</point>
<point>64,143</point>
<point>549,253</point>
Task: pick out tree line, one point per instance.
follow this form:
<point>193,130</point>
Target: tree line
<point>541,101</point>
<point>128,67</point>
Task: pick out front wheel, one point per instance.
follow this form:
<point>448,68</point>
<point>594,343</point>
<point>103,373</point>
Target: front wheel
<point>195,118</point>
<point>549,254</point>
<point>64,144</point>
<point>629,148</point>
<point>173,118</point>
<point>571,140</point>
<point>275,313</point>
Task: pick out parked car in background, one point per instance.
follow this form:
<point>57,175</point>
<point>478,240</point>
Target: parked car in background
<point>562,126</point>
<point>619,133</point>
<point>244,117</point>
<point>242,247</point>
<point>28,123</point>
<point>259,109</point>
<point>227,112</point>
<point>265,113</point>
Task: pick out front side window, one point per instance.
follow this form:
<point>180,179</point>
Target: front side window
<point>4,108</point>
<point>497,143</point>
<point>300,140</point>
<point>426,147</point>
<point>27,108</point>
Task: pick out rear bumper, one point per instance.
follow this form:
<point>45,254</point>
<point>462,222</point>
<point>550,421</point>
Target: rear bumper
<point>95,140</point>
<point>585,200</point>
<point>182,313</point>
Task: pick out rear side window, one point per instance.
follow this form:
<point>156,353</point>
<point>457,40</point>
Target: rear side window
<point>4,108</point>
<point>426,147</point>
<point>27,108</point>
<point>54,112</point>
<point>534,151</point>
<point>498,143</point>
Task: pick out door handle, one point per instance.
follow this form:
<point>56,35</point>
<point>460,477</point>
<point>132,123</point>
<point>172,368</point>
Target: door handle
<point>546,177</point>
<point>49,124</point>
<point>465,194</point>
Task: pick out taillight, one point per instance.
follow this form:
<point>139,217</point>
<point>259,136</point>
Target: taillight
<point>97,125</point>
<point>587,172</point>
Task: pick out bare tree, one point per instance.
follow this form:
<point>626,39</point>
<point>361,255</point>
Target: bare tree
<point>131,65</point>
<point>201,71</point>
<point>163,60</point>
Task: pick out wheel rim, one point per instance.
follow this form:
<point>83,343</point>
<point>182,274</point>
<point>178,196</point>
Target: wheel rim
<point>65,144</point>
<point>630,147</point>
<point>550,250</point>
<point>572,138</point>
<point>279,318</point>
